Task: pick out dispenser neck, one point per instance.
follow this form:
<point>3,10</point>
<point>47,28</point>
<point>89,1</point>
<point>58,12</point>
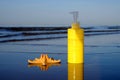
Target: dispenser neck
<point>75,25</point>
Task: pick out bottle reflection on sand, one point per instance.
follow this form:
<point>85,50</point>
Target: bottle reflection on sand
<point>75,71</point>
<point>43,67</point>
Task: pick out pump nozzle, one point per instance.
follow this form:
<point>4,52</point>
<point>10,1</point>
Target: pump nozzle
<point>75,16</point>
<point>75,24</point>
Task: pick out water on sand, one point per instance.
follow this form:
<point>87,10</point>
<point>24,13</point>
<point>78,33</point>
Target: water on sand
<point>101,57</point>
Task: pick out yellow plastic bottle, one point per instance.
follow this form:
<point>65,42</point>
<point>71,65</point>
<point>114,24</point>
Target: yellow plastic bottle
<point>75,42</point>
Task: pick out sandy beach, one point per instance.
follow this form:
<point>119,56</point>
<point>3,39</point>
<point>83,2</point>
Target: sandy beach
<point>101,59</point>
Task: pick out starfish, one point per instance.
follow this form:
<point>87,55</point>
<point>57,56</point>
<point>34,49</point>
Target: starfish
<point>44,60</point>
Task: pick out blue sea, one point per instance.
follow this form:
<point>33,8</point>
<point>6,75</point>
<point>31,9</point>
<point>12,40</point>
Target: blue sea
<point>18,44</point>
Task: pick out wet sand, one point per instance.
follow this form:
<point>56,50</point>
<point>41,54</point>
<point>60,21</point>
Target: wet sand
<point>102,56</point>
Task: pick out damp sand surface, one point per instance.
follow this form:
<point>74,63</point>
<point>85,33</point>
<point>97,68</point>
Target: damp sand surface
<point>102,56</point>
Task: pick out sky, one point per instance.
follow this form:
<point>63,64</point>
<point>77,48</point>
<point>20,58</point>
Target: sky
<point>57,12</point>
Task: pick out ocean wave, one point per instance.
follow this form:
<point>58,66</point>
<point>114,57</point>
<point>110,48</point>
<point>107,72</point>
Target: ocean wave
<point>13,34</point>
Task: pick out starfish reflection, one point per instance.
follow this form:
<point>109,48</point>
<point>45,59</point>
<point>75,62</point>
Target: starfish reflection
<point>43,67</point>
